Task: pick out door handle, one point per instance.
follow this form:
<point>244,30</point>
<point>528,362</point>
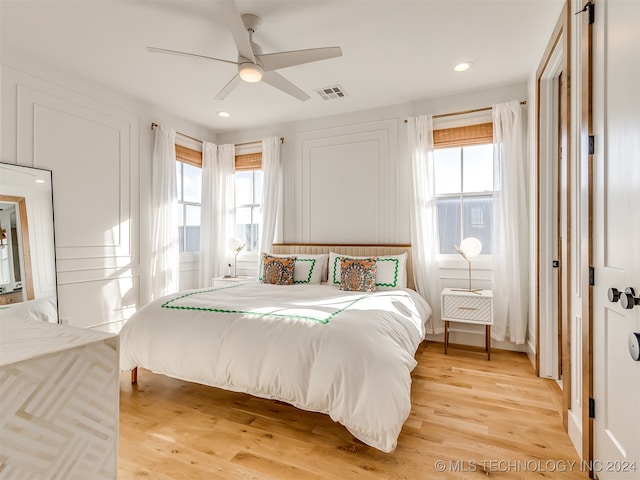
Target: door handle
<point>628,299</point>
<point>613,294</point>
<point>634,345</point>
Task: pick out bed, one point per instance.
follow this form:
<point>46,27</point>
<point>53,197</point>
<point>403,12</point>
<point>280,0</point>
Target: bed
<point>44,309</point>
<point>343,353</point>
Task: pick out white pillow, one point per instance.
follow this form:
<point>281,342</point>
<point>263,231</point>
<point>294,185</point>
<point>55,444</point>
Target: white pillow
<point>309,269</point>
<point>391,270</point>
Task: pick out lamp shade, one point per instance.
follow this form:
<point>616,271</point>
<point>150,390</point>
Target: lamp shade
<point>250,72</point>
<point>235,244</point>
<point>471,247</point>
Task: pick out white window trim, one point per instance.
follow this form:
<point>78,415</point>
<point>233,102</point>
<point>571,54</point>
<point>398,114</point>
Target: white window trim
<point>447,260</point>
<point>455,262</point>
<point>189,257</point>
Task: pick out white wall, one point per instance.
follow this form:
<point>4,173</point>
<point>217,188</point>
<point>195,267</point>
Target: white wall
<point>346,180</point>
<point>98,144</point>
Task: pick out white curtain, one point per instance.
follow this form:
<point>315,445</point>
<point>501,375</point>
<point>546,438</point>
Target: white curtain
<point>216,224</point>
<point>271,191</point>
<point>164,237</point>
<point>424,226</point>
<point>510,226</point>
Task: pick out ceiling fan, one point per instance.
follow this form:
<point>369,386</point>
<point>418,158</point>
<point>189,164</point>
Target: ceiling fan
<point>253,65</point>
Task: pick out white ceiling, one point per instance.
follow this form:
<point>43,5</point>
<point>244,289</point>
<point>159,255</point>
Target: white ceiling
<point>394,51</point>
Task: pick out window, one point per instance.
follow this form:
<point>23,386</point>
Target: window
<point>248,199</point>
<point>189,189</point>
<point>464,191</point>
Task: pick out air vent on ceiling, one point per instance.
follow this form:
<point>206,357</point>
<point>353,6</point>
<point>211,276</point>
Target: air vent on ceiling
<point>330,93</point>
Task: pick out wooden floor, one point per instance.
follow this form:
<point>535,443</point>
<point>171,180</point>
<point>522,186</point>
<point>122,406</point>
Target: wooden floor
<point>470,418</point>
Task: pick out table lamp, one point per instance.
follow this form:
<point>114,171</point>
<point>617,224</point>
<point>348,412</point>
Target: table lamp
<point>469,247</point>
<point>235,245</point>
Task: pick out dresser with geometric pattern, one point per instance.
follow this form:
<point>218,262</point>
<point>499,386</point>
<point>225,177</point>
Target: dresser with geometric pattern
<point>468,307</point>
<point>59,401</point>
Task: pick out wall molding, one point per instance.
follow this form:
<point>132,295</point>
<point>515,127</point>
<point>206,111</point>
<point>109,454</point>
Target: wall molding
<point>380,139</point>
<point>36,111</point>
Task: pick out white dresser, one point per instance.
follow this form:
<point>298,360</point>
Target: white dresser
<point>59,401</point>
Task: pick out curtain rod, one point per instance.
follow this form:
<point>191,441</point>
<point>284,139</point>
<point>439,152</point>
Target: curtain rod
<point>255,141</point>
<point>475,110</point>
<point>154,125</point>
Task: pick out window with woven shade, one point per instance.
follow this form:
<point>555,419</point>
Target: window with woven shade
<point>464,185</point>
<point>189,155</point>
<point>248,161</point>
<point>189,190</point>
<point>479,134</point>
<point>248,198</point>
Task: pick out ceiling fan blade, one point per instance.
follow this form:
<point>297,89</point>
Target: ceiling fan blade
<point>226,90</point>
<point>278,81</point>
<point>185,54</point>
<point>274,61</point>
<point>238,31</point>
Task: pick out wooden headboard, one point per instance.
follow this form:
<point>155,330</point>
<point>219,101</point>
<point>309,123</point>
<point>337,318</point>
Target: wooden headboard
<point>356,250</point>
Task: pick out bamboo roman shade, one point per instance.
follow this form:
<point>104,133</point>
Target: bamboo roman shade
<point>463,136</point>
<point>248,161</point>
<point>188,155</point>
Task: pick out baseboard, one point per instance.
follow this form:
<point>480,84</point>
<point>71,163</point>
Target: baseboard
<point>474,339</point>
<point>574,428</point>
<point>531,352</point>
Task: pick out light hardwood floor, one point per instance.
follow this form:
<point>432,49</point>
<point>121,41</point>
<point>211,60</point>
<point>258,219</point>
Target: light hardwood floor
<point>470,418</point>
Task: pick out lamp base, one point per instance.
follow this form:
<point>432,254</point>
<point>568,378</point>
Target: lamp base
<point>477,291</point>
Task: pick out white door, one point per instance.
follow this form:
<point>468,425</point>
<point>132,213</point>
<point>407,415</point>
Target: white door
<point>616,236</point>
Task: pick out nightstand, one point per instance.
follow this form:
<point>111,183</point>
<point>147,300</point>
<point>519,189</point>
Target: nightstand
<point>468,307</point>
<point>221,282</point>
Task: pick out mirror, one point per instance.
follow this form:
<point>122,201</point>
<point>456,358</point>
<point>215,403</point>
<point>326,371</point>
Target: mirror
<point>27,251</point>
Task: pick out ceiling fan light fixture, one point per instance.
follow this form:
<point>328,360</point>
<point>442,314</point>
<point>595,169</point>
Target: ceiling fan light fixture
<point>463,66</point>
<point>250,72</point>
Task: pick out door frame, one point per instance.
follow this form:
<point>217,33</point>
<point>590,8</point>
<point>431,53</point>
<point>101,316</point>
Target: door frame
<point>585,184</point>
<point>550,66</point>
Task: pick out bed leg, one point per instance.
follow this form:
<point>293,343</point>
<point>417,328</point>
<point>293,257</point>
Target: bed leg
<point>134,375</point>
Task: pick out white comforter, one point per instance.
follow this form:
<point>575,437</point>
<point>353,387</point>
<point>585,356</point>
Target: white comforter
<point>347,354</point>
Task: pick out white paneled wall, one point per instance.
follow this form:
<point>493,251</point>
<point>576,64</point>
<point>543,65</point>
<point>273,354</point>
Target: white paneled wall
<point>92,150</point>
<point>98,145</point>
<point>348,188</point>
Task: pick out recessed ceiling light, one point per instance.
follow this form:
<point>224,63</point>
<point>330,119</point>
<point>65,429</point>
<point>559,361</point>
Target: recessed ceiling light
<point>463,66</point>
<point>224,114</point>
<point>39,180</point>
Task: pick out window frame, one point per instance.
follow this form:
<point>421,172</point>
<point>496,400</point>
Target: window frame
<point>470,130</point>
<point>249,151</point>
<point>189,153</point>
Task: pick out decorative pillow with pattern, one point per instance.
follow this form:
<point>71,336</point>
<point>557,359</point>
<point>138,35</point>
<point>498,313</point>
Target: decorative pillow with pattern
<point>358,274</point>
<point>277,270</point>
<point>309,269</point>
<point>391,270</point>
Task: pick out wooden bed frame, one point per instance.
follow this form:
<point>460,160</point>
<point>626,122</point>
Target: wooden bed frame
<point>346,249</point>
